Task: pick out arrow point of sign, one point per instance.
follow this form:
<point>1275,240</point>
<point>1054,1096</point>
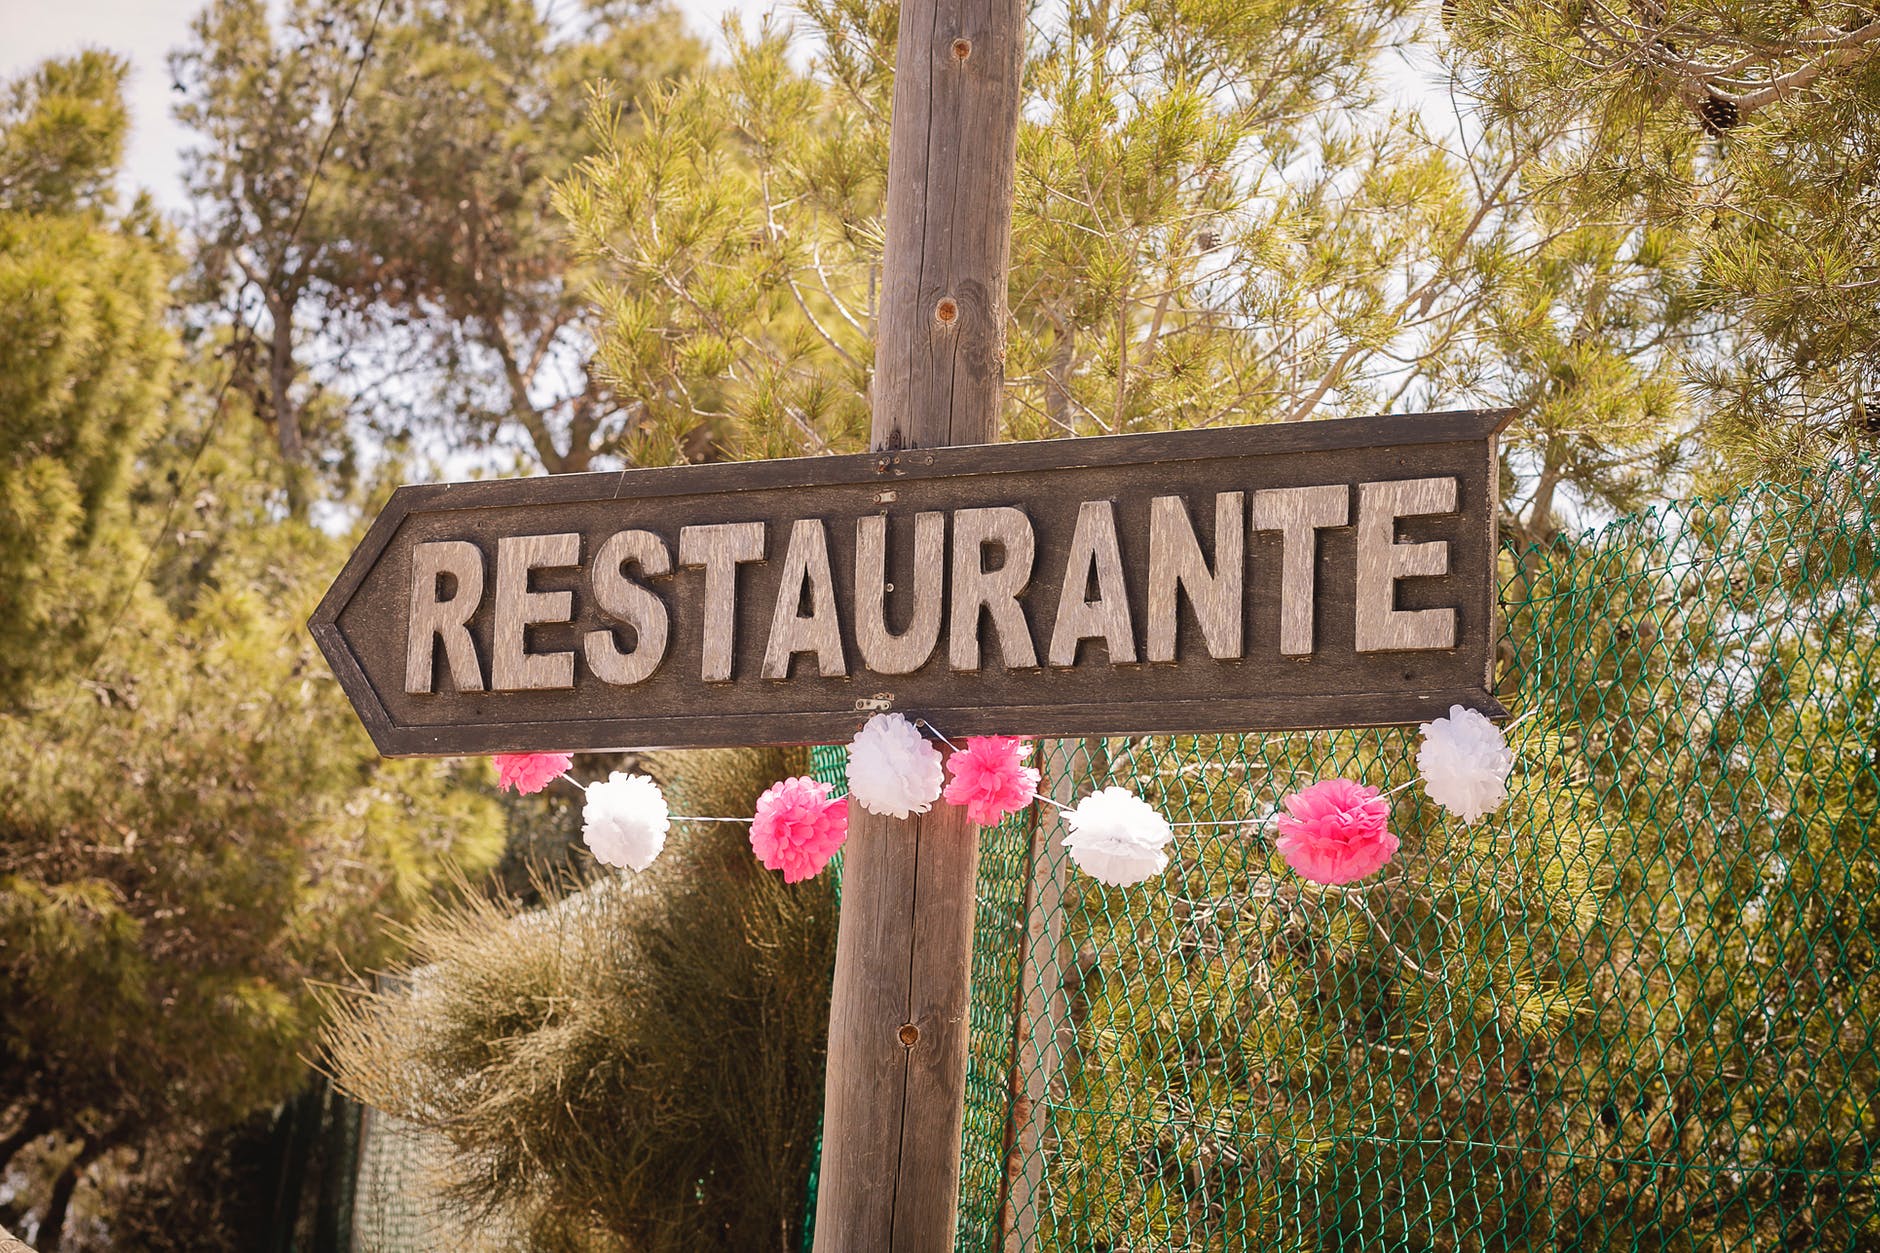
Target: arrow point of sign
<point>324,624</point>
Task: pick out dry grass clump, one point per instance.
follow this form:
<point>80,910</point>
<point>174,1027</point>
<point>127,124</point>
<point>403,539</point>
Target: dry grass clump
<point>637,1066</point>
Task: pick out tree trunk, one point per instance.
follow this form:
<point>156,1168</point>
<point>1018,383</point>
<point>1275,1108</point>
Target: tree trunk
<point>1057,377</point>
<point>1540,524</point>
<point>281,401</point>
<point>52,1226</point>
<point>895,1098</point>
<point>36,1123</point>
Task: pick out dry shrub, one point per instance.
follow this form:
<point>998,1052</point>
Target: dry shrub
<point>637,1066</point>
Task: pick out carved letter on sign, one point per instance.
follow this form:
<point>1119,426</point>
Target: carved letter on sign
<point>1176,563</point>
<point>1382,561</point>
<point>513,668</point>
<point>619,599</point>
<point>1317,574</point>
<point>720,549</point>
<point>883,651</point>
<point>1299,514</point>
<point>433,619</point>
<point>1095,557</point>
<point>805,578</point>
<point>996,591</point>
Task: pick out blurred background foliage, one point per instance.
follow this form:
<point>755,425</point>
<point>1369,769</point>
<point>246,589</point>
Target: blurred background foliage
<point>445,237</point>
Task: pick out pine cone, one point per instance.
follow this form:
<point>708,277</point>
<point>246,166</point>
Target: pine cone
<point>1864,422</point>
<point>1717,115</point>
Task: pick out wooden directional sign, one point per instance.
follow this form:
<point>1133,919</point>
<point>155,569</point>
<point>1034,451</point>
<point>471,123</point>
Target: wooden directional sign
<point>1322,574</point>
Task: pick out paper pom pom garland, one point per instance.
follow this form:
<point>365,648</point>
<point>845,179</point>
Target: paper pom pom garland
<point>625,820</point>
<point>1336,832</point>
<point>893,771</point>
<point>1333,832</point>
<point>529,773</point>
<point>991,779</point>
<point>798,827</point>
<point>1465,760</point>
<point>1116,838</point>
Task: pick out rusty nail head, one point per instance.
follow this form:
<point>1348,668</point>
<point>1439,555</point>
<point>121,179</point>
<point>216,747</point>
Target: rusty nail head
<point>910,1034</point>
<point>962,48</point>
<point>947,311</point>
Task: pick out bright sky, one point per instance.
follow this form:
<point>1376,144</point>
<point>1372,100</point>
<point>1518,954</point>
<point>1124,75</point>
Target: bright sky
<point>146,31</point>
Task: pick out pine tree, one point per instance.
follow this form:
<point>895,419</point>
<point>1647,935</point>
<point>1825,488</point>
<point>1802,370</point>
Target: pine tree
<point>1749,128</point>
<point>422,263</point>
<point>84,359</point>
<point>192,824</point>
<point>1200,238</point>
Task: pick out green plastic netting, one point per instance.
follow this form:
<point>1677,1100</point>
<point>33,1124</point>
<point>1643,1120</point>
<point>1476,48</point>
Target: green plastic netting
<point>1635,1009</point>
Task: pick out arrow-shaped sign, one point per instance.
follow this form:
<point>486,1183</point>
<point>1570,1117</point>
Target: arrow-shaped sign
<point>1324,574</point>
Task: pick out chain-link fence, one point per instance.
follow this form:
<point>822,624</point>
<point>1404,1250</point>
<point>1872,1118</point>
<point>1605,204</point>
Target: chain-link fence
<point>1635,1009</point>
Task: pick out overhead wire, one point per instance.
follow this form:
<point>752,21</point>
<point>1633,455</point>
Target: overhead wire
<point>242,341</point>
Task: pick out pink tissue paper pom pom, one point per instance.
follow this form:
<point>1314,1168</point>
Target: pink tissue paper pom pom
<point>1334,832</point>
<point>991,779</point>
<point>529,773</point>
<point>798,827</point>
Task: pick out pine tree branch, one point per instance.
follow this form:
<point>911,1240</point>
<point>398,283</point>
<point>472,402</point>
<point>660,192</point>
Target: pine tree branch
<point>1657,47</point>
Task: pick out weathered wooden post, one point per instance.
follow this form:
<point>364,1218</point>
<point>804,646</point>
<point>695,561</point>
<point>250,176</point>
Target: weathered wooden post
<point>1042,1031</point>
<point>895,1097</point>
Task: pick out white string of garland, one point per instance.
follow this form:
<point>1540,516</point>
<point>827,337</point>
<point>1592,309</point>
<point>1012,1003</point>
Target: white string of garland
<point>1332,832</point>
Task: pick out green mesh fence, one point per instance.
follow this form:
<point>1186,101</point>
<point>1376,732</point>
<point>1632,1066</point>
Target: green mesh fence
<point>1635,1009</point>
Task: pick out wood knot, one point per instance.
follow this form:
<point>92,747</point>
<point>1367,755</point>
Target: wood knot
<point>962,48</point>
<point>910,1034</point>
<point>947,312</point>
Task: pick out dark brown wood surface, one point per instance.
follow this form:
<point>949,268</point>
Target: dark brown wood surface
<point>894,1101</point>
<point>362,624</point>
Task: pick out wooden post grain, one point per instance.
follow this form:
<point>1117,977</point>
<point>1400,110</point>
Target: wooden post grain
<point>895,1097</point>
<point>1043,1036</point>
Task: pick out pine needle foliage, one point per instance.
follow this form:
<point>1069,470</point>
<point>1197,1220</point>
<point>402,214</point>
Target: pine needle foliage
<point>1750,128</point>
<point>85,356</point>
<point>373,182</point>
<point>1217,220</point>
<point>193,825</point>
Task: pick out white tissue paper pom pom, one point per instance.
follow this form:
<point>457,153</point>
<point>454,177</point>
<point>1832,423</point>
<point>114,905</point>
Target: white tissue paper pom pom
<point>1117,838</point>
<point>625,820</point>
<point>1465,760</point>
<point>892,770</point>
